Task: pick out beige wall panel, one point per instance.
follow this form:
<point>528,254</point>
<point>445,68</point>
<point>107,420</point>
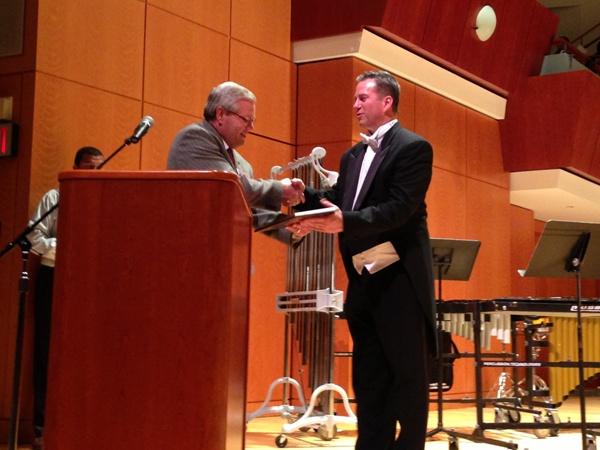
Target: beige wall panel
<point>325,102</point>
<point>68,116</point>
<point>100,44</point>
<point>442,123</point>
<point>155,146</point>
<point>265,24</point>
<point>484,151</point>
<point>210,13</point>
<point>183,62</point>
<point>522,243</point>
<point>488,220</point>
<point>446,207</point>
<point>273,81</point>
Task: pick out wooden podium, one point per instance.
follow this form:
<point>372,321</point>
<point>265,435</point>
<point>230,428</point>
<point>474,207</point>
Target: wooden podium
<point>150,315</point>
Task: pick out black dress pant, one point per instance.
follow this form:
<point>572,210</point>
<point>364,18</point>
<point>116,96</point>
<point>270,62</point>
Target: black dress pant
<point>41,344</point>
<point>389,360</point>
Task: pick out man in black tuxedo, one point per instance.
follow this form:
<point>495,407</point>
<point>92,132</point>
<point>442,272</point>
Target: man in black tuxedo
<point>384,242</point>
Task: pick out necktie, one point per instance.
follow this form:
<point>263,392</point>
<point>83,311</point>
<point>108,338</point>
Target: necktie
<point>371,141</point>
<point>231,157</point>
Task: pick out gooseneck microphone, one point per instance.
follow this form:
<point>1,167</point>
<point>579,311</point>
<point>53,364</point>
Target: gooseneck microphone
<point>140,130</point>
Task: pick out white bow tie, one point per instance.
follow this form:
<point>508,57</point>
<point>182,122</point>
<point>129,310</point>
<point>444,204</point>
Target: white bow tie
<point>371,141</point>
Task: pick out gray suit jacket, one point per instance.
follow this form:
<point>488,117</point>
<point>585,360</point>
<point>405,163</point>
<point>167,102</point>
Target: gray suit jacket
<point>199,146</point>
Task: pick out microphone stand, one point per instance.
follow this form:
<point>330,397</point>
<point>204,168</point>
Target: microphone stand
<point>22,241</point>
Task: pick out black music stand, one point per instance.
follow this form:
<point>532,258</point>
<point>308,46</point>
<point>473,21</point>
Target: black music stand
<point>561,251</point>
<point>453,259</point>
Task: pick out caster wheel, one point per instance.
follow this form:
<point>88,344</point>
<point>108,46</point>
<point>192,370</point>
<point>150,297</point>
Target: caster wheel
<point>281,441</point>
<point>590,442</point>
<point>452,443</point>
<point>540,433</point>
<point>324,433</point>
<point>500,415</point>
<point>553,418</point>
<point>514,416</point>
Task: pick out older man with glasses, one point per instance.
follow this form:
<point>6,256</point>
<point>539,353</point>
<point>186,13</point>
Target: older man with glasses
<point>211,144</point>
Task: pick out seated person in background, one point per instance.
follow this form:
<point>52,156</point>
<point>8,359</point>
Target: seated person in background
<point>43,242</point>
<point>229,115</point>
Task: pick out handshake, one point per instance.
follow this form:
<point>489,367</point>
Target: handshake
<point>293,191</point>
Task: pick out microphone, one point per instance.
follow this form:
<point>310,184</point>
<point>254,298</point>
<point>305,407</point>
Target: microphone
<point>140,130</point>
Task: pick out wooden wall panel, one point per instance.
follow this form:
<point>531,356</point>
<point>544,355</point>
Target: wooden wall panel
<point>508,51</point>
<point>156,144</point>
<point>488,219</point>
<point>316,18</point>
<point>65,121</point>
<point>268,278</point>
<point>443,19</point>
<point>412,15</point>
<point>443,123</point>
<point>443,31</point>
<point>183,62</point>
<point>24,62</point>
<point>446,207</point>
<point>100,44</point>
<point>552,123</point>
<point>484,152</point>
<point>214,14</point>
<point>253,23</point>
<point>271,79</point>
<point>323,115</point>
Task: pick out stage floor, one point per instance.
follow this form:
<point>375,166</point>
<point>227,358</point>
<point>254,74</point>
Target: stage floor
<point>262,431</point>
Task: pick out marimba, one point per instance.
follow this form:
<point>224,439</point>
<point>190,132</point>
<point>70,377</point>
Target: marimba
<point>480,320</point>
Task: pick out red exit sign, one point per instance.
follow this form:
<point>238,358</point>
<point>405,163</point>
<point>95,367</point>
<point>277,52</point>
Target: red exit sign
<point>8,142</point>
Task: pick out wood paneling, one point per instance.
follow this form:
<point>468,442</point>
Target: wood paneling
<point>183,62</point>
<point>213,14</point>
<point>444,30</point>
<point>443,20</point>
<point>66,121</point>
<point>316,18</point>
<point>273,81</point>
<point>443,123</point>
<point>99,44</point>
<point>253,23</point>
<point>484,152</point>
<point>488,219</point>
<point>156,144</point>
<point>552,123</point>
<point>325,93</point>
<point>268,278</point>
<point>26,60</point>
<point>446,207</point>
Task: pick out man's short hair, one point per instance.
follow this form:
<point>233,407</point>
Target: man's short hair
<point>386,85</point>
<point>85,151</point>
<point>226,95</point>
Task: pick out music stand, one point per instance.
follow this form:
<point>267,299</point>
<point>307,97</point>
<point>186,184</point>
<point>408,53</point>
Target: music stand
<point>453,259</point>
<point>561,251</point>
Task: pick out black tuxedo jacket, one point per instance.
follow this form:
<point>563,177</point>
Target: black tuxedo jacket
<point>391,207</point>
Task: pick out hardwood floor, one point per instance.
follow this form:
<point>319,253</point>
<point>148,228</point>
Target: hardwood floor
<point>261,432</point>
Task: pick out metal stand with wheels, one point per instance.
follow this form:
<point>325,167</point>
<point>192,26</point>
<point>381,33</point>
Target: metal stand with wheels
<point>453,259</point>
<point>328,301</point>
<point>560,252</point>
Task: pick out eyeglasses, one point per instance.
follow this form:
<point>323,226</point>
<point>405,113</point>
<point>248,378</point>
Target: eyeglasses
<point>248,121</point>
